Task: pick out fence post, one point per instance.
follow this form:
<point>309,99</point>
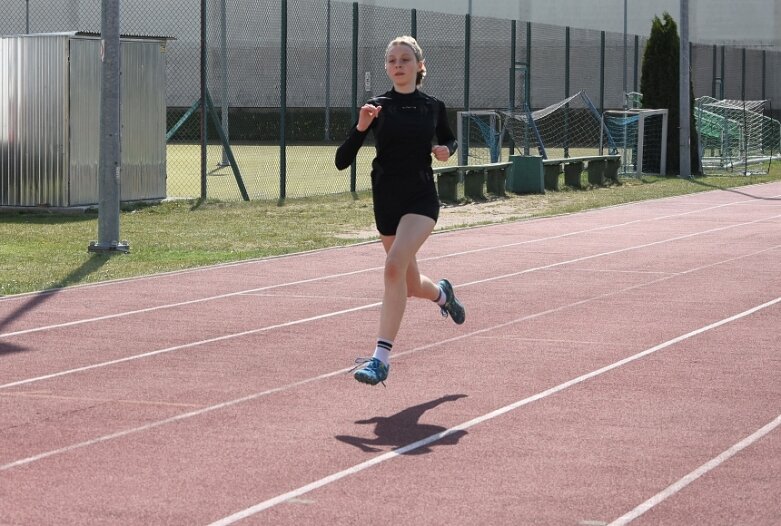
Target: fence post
<point>566,61</point>
<point>743,75</point>
<point>637,62</point>
<point>528,93</point>
<point>467,57</point>
<point>511,102</point>
<point>353,167</point>
<point>283,103</point>
<point>764,73</point>
<point>414,24</point>
<point>204,114</point>
<point>713,73</point>
<point>601,72</point>
<point>464,155</point>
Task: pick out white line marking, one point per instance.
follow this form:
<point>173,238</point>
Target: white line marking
<point>672,489</point>
<point>392,454</point>
<point>179,304</point>
<point>340,275</point>
<point>188,345</point>
<point>371,305</point>
<point>257,508</point>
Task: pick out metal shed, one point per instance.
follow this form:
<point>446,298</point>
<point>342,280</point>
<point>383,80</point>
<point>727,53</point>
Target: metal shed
<point>50,88</point>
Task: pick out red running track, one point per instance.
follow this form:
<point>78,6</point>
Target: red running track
<point>616,366</point>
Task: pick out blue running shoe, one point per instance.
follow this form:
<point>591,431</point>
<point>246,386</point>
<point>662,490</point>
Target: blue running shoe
<point>372,371</point>
<point>452,306</point>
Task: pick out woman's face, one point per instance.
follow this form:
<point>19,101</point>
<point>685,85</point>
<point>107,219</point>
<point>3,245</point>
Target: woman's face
<point>402,66</point>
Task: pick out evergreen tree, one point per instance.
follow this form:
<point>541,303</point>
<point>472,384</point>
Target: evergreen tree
<point>659,85</point>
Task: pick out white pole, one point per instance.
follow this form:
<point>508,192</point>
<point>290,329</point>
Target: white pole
<point>685,101</point>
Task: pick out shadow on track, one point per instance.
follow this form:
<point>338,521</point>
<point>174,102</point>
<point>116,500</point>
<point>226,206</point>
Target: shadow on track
<point>404,428</point>
<point>93,264</point>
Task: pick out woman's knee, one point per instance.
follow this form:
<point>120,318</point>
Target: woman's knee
<point>395,269</point>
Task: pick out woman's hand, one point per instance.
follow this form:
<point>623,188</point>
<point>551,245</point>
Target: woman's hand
<point>366,116</point>
<point>442,153</point>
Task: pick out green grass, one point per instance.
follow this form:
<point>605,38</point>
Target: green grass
<point>42,250</point>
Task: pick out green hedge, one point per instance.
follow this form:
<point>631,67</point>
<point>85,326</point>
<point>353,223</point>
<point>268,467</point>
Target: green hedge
<point>262,124</point>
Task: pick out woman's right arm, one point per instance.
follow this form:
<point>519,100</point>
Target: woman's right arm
<point>345,154</point>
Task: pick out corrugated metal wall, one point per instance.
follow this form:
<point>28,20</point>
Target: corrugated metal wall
<point>33,121</point>
<point>143,120</point>
<point>50,120</point>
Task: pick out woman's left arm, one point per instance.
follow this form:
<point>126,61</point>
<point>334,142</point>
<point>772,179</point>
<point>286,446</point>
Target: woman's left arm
<point>445,135</point>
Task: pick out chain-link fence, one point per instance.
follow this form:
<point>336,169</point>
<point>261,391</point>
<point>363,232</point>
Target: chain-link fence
<point>286,76</point>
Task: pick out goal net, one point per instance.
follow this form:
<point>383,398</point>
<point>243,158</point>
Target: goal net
<point>736,136</point>
<point>479,137</point>
<point>570,128</point>
<point>640,135</point>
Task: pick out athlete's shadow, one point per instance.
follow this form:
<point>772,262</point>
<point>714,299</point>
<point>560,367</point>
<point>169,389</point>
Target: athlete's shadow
<point>404,428</point>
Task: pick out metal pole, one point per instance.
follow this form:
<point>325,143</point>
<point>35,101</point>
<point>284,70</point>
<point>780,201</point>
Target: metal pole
<point>684,139</point>
<point>354,95</point>
<point>204,112</point>
<point>27,17</point>
<point>625,91</point>
<point>626,105</point>
<point>327,131</point>
<point>283,105</point>
<point>110,151</point>
<point>225,105</point>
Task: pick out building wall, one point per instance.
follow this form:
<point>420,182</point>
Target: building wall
<point>710,21</point>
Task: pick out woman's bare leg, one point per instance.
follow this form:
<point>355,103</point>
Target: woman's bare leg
<point>401,272</point>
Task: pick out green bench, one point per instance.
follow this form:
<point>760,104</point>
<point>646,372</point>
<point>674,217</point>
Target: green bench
<point>599,167</point>
<point>478,180</point>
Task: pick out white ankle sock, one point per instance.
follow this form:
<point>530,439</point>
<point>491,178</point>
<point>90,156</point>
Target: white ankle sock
<point>442,297</point>
<point>382,351</point>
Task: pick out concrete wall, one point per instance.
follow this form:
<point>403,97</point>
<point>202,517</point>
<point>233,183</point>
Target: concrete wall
<point>711,21</point>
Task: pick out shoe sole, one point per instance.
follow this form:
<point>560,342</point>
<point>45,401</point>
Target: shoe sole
<point>365,379</point>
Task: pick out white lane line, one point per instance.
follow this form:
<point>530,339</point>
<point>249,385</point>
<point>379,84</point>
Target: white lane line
<point>418,444</point>
<point>332,276</point>
<point>616,251</point>
<point>257,508</point>
<point>672,489</point>
<point>376,304</point>
<point>189,345</point>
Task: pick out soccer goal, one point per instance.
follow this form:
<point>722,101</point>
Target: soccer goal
<point>640,135</point>
<point>569,128</point>
<point>479,137</point>
<point>736,135</point>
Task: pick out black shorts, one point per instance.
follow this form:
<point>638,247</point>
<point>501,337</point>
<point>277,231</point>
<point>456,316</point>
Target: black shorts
<point>395,197</point>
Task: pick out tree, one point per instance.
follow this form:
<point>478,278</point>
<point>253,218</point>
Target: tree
<point>659,85</point>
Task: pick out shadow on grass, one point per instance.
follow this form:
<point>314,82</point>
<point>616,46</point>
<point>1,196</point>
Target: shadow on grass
<point>403,429</point>
<point>733,190</point>
<point>94,263</point>
<point>47,218</point>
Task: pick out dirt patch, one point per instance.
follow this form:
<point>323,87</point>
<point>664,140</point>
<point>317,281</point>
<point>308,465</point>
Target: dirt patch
<point>497,210</point>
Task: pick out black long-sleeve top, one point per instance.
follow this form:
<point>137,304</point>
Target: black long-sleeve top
<point>404,132</point>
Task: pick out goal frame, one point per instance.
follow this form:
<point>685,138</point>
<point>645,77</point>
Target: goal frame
<point>464,140</point>
<point>642,114</point>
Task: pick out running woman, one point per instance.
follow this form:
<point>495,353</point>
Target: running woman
<point>405,122</point>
